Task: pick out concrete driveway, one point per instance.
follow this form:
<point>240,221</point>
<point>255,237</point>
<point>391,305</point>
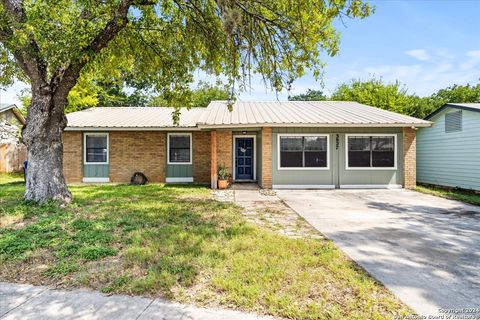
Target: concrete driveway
<point>425,249</point>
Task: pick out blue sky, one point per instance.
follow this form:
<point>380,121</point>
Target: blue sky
<point>426,44</point>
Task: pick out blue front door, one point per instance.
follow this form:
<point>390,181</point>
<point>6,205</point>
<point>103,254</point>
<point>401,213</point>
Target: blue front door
<point>244,159</point>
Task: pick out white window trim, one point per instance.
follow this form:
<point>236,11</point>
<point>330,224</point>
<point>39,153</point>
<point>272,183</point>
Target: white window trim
<point>280,135</point>
<point>303,186</point>
<point>371,186</point>
<point>254,154</point>
<point>179,180</point>
<point>95,180</point>
<point>189,134</point>
<point>395,153</point>
<point>101,134</point>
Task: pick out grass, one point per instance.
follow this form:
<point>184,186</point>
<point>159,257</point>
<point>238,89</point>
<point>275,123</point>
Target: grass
<point>451,193</point>
<point>178,243</point>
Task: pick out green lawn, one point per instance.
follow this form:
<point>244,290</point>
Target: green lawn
<point>449,193</point>
<point>176,242</point>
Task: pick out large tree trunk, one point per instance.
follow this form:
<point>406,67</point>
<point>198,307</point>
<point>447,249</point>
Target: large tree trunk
<point>43,137</point>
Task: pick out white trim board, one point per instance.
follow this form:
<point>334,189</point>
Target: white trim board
<point>189,134</point>
<point>395,150</point>
<point>98,134</point>
<point>95,180</point>
<point>179,180</point>
<point>303,186</point>
<point>280,135</point>
<point>371,186</point>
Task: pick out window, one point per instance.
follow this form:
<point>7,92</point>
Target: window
<point>453,121</point>
<point>180,148</point>
<point>371,151</point>
<point>96,148</point>
<point>303,151</point>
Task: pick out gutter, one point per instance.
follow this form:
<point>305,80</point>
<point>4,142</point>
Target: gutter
<point>315,125</point>
<point>131,129</point>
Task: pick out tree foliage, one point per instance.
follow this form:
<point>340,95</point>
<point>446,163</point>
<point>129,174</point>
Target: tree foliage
<point>310,95</point>
<point>191,98</point>
<point>374,92</point>
<point>160,44</point>
<point>396,97</point>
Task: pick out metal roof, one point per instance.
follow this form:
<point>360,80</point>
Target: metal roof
<point>7,106</point>
<point>244,114</point>
<point>303,113</point>
<point>465,106</point>
<point>131,118</point>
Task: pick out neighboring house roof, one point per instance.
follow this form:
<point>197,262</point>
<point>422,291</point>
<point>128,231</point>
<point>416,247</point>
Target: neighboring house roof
<point>244,114</point>
<point>5,107</point>
<point>464,106</point>
<point>304,113</point>
<point>132,117</point>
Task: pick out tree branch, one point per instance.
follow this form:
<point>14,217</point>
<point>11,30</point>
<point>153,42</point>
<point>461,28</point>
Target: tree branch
<point>65,78</point>
<point>28,56</point>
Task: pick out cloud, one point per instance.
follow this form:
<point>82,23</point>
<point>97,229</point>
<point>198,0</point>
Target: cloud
<point>419,54</point>
<point>424,78</point>
<point>473,59</point>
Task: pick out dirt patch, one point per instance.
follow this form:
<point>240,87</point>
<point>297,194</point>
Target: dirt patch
<point>271,213</point>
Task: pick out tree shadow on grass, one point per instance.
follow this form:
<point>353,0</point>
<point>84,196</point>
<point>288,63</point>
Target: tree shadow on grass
<point>142,239</point>
<point>426,250</point>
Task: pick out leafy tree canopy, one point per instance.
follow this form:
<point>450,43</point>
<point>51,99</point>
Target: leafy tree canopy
<point>191,98</point>
<point>88,94</point>
<point>395,96</point>
<point>162,43</point>
<point>310,95</point>
<point>374,92</point>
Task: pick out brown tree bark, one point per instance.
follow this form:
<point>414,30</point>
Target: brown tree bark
<point>46,115</point>
<point>43,137</point>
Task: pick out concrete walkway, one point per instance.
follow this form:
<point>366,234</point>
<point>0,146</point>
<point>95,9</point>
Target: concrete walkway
<point>423,248</point>
<point>19,301</point>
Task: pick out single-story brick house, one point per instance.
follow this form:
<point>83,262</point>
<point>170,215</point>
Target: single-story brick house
<point>321,144</point>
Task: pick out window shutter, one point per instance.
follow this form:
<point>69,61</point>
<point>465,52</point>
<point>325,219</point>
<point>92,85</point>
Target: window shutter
<point>453,121</point>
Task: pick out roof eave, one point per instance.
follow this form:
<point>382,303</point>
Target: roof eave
<point>315,125</point>
<point>131,129</point>
<point>16,112</point>
<point>450,105</point>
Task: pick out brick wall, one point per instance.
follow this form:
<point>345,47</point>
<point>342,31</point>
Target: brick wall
<point>224,150</point>
<point>266,181</point>
<point>72,156</point>
<point>201,156</point>
<point>409,158</point>
<point>132,151</point>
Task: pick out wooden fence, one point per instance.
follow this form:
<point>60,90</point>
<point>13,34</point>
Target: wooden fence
<point>12,157</point>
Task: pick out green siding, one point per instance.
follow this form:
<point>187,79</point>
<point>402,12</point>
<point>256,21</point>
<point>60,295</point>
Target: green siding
<point>337,174</point>
<point>180,170</point>
<point>95,170</point>
<point>450,159</point>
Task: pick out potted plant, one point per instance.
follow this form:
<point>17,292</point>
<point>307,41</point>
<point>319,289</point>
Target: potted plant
<point>222,178</point>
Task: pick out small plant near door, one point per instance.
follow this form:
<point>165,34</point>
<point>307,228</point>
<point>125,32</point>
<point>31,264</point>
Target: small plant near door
<point>222,178</point>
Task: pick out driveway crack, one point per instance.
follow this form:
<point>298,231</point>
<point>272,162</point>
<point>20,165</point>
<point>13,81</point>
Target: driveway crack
<point>24,302</point>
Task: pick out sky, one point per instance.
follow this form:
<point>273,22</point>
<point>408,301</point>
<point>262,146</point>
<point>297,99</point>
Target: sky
<point>425,44</point>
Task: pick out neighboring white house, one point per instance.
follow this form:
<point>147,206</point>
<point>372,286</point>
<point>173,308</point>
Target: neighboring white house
<point>12,151</point>
<point>448,153</point>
